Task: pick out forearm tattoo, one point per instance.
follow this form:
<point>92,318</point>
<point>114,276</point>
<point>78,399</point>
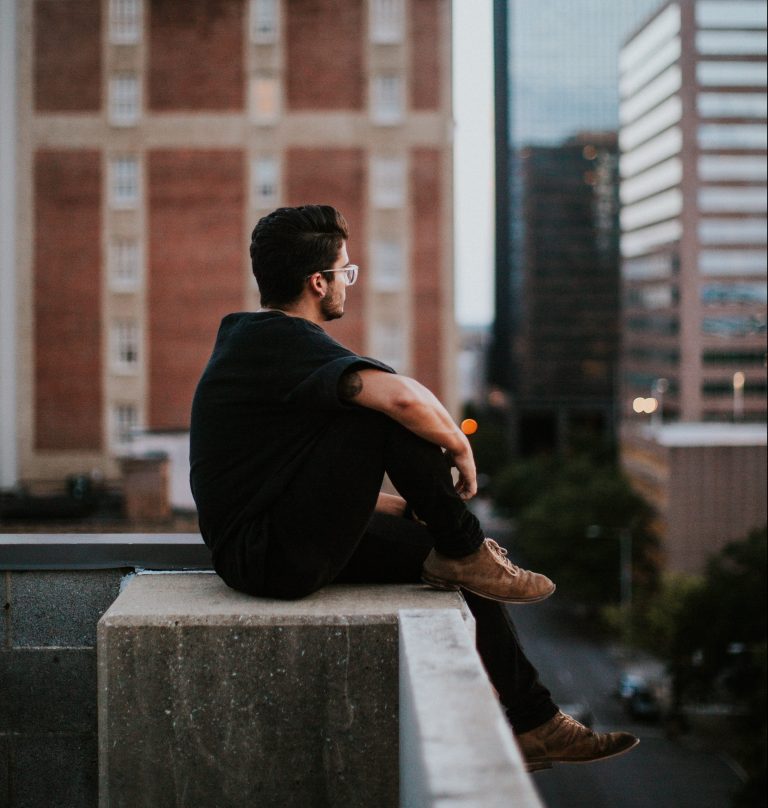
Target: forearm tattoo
<point>350,386</point>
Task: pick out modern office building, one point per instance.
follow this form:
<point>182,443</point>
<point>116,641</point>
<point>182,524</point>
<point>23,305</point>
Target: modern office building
<point>147,138</point>
<point>566,344</point>
<point>693,191</point>
<point>557,280</point>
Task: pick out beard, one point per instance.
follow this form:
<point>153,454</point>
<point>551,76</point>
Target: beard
<point>330,307</point>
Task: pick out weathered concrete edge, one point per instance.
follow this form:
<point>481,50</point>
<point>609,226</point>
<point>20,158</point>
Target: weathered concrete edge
<point>456,747</point>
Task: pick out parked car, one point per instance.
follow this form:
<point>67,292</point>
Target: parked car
<point>629,684</point>
<point>643,705</point>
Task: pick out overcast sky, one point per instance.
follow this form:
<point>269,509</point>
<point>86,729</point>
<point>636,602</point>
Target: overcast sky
<point>473,155</point>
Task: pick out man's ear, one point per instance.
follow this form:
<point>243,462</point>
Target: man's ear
<point>316,284</point>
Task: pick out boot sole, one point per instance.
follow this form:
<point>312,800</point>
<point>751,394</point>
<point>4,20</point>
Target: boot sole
<point>540,763</point>
<point>450,586</point>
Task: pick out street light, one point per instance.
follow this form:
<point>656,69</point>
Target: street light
<point>738,395</point>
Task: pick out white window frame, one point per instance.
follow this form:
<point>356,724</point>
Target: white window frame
<point>125,423</point>
<point>387,22</point>
<point>387,265</point>
<point>124,182</point>
<point>125,21</point>
<point>388,182</point>
<point>265,172</point>
<point>124,99</point>
<point>390,343</point>
<point>264,21</point>
<point>124,264</point>
<point>126,347</point>
<point>387,99</point>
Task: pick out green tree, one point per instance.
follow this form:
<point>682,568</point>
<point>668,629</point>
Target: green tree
<point>569,519</point>
<point>718,648</point>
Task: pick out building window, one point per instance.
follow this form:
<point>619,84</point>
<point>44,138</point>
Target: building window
<point>388,269</point>
<point>387,18</point>
<point>740,294</point>
<point>753,358</point>
<point>124,22</point>
<point>732,105</point>
<point>125,421</point>
<point>733,167</point>
<point>264,19</point>
<point>387,103</point>
<point>732,231</point>
<point>734,326</point>
<point>388,182</point>
<point>733,262</point>
<point>389,343</point>
<point>722,199</point>
<point>124,264</point>
<point>124,182</point>
<point>733,136</point>
<point>730,14</point>
<point>125,346</point>
<point>265,182</point>
<point>265,99</point>
<point>731,74</point>
<point>124,99</point>
<point>731,43</point>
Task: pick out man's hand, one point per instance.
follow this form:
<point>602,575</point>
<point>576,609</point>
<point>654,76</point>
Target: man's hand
<point>464,462</point>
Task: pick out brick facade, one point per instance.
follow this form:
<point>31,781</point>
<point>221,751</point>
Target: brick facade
<point>428,293</point>
<point>325,50</point>
<point>67,300</point>
<point>196,55</point>
<point>336,177</point>
<point>195,269</point>
<point>67,59</point>
<point>426,73</point>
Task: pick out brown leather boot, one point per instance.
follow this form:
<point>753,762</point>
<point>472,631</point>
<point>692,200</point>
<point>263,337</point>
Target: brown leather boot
<point>486,572</point>
<point>563,739</point>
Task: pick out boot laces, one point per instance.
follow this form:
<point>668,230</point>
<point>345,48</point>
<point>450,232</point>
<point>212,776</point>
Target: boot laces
<point>500,554</point>
<point>574,726</point>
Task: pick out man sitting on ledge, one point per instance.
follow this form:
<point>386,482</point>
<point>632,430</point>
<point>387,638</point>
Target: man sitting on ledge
<point>291,436</point>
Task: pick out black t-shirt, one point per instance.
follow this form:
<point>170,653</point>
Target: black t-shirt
<point>254,414</point>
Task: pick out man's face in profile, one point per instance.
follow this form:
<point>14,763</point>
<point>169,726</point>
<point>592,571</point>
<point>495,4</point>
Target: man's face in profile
<point>332,304</point>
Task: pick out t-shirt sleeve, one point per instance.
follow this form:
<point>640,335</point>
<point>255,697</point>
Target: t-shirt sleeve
<point>320,389</point>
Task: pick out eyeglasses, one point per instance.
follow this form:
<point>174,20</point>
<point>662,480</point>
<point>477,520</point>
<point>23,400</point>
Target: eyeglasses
<point>350,273</point>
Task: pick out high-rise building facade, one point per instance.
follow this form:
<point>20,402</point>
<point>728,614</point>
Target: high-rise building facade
<point>151,135</point>
<point>693,189</point>
<point>555,346</point>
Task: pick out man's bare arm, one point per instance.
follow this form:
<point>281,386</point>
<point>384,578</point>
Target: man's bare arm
<point>415,407</point>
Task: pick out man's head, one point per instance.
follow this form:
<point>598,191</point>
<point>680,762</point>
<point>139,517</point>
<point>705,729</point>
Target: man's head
<point>290,245</point>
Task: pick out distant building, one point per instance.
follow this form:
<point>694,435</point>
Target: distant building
<point>567,340</point>
<point>706,482</point>
<point>556,218</point>
<point>149,137</point>
<point>693,188</point>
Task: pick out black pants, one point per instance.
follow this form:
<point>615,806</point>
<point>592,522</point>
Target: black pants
<point>323,529</point>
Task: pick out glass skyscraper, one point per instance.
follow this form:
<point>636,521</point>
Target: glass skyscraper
<point>556,69</point>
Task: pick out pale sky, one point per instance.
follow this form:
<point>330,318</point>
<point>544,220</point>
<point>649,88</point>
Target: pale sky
<point>473,159</point>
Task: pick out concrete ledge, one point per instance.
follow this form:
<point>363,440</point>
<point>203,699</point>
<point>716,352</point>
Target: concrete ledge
<point>456,747</point>
<point>215,699</point>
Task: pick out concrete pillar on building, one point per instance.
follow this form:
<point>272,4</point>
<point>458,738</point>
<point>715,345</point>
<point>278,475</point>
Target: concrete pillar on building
<point>8,336</point>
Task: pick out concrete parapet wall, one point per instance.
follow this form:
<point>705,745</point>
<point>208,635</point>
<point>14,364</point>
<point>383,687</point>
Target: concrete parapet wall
<point>211,698</point>
<point>456,747</point>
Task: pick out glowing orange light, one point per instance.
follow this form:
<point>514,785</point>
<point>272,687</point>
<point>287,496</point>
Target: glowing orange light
<point>469,426</point>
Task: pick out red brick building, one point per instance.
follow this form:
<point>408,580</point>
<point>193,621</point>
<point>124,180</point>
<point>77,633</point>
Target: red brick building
<point>152,135</point>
